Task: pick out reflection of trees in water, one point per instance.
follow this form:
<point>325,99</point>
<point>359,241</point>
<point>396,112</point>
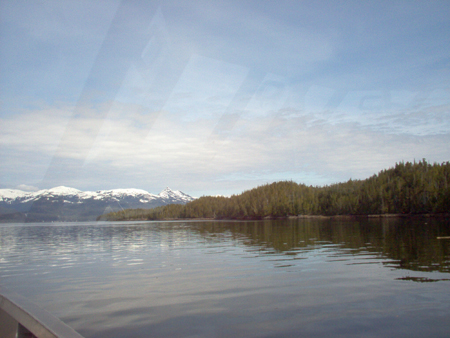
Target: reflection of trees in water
<point>414,245</point>
<point>406,243</point>
<point>403,243</point>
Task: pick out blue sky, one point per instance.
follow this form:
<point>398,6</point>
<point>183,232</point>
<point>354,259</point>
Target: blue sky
<point>218,97</point>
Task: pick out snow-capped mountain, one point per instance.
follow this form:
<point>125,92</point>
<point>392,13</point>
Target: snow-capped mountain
<point>172,196</point>
<point>69,204</point>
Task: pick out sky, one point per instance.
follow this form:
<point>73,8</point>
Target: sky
<point>218,97</point>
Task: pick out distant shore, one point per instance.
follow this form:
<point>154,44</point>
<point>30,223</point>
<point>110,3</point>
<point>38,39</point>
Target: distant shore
<point>436,215</point>
<point>333,217</point>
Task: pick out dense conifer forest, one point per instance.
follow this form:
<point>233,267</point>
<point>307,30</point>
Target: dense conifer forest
<point>408,188</point>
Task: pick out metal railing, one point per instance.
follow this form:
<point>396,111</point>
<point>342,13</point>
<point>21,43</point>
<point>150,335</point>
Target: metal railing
<point>20,318</point>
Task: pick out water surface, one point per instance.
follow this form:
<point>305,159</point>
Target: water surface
<point>291,278</point>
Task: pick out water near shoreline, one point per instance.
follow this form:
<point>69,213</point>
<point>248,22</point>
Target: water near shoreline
<point>285,278</point>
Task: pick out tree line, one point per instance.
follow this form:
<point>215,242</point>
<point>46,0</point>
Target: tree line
<point>407,188</point>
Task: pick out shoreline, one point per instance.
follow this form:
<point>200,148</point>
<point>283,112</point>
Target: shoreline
<point>333,217</point>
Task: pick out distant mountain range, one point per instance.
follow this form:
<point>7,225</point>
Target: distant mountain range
<point>69,204</point>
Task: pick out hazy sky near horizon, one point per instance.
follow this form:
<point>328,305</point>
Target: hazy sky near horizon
<point>216,97</point>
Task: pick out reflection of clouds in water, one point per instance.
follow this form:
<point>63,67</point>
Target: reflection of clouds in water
<point>63,246</point>
<point>118,276</point>
<point>244,275</point>
<point>170,245</point>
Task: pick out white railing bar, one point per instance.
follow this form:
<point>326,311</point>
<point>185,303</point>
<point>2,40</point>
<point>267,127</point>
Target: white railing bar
<point>38,321</point>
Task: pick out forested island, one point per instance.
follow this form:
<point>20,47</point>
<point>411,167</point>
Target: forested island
<point>406,189</point>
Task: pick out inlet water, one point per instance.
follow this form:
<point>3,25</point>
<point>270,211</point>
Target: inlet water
<point>289,278</point>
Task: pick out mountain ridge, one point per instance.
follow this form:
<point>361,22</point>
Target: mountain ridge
<point>69,204</point>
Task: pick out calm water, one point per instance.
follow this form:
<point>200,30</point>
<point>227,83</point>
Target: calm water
<point>299,278</point>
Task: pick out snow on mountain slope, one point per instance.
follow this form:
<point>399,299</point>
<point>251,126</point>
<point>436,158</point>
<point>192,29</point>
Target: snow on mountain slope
<point>8,194</point>
<point>120,193</point>
<point>13,195</point>
<point>66,204</point>
<point>176,195</point>
<point>64,191</point>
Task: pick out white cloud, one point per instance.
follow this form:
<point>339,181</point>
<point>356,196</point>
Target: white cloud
<point>223,95</point>
<point>181,153</point>
<point>35,130</point>
<point>25,187</point>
